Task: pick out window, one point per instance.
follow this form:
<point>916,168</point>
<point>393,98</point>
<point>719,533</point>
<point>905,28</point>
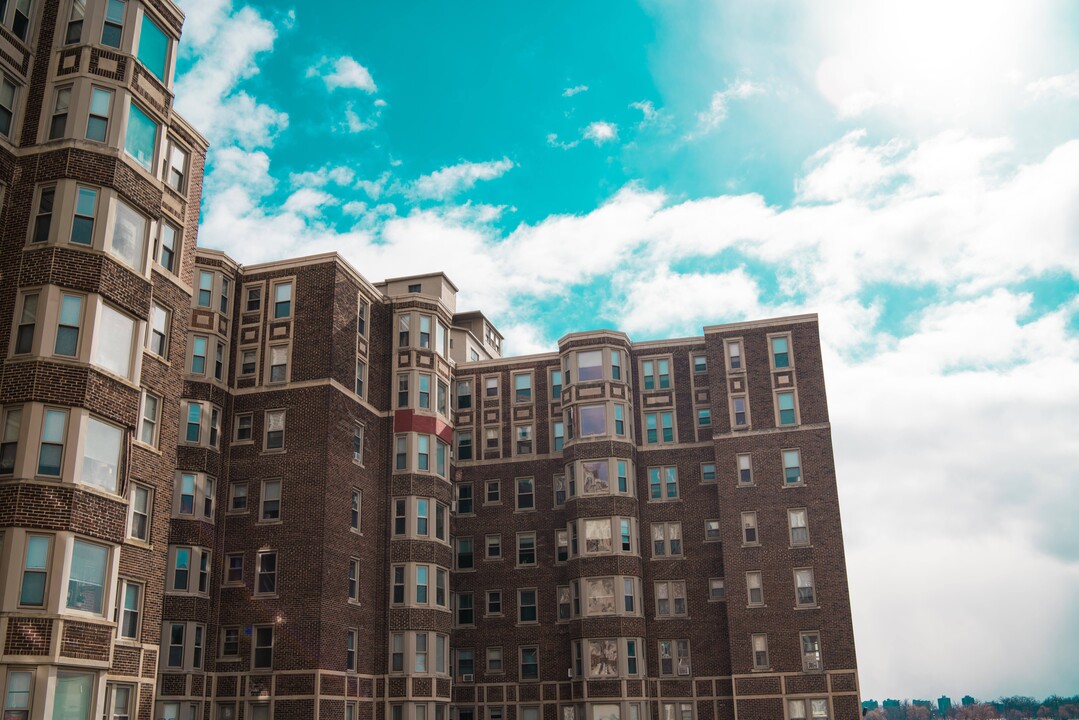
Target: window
<point>805,594</point>
<point>754,587</point>
<point>423,452</point>
<point>590,365</point>
<point>464,499</point>
<point>663,483</point>
<point>7,105</point>
<point>159,335</point>
<point>254,299</point>
<point>138,520</point>
<point>128,240</point>
<point>490,387</point>
<point>559,482</point>
<point>464,553</point>
<point>278,363</point>
<point>494,660</point>
<point>166,253</point>
<point>798,522</point>
<point>275,430</point>
<point>565,611</point>
<point>811,655</point>
<point>738,405</point>
<point>627,539</point>
<point>60,107</point>
<point>242,427</point>
<point>704,417</point>
<point>86,583</point>
<point>616,365</point>
<point>176,171</point>
<point>530,663</point>
<point>82,227</point>
<point>711,530</point>
<point>270,501</point>
<point>400,516</point>
<point>734,355</point>
<point>465,614</point>
<point>494,602</point>
<point>204,297</point>
<point>425,330</point>
<point>494,547</point>
<point>24,337</point>
<point>262,657</point>
<point>526,493</point>
<point>656,423</point>
<point>238,497</point>
<point>593,420</point>
<point>785,404</point>
<point>113,30</point>
<point>464,394</point>
<point>619,420</point>
<point>282,306</point>
<point>792,467</point>
<point>670,598</point>
<point>73,34</point>
<point>780,352</point>
<point>9,440</point>
<point>441,403</point>
<point>234,569</point>
<point>494,493</point>
<point>556,384</point>
<point>153,48</point>
<point>760,651</point>
<point>398,596</point>
<point>700,364</point>
<point>403,330</point>
<point>425,392</point>
<point>175,651</point>
<point>491,439</point>
<point>35,571</point>
<point>141,140</point>
<point>248,361</point>
<point>361,373</point>
<point>354,580</point>
<point>526,606</point>
<point>266,570</point>
<point>53,435</point>
<point>656,374</point>
<point>749,528</point>
<point>561,546</point>
<point>745,469</point>
<point>357,504</point>
<point>130,593</point>
<point>522,388</point>
<point>597,536</point>
<point>526,548</point>
<point>115,334</point>
<point>558,437</point>
<point>817,709</point>
<point>362,311</point>
<point>43,219</point>
<point>67,331</point>
<point>223,301</point>
<point>420,663</point>
<point>97,123</point>
<point>666,539</point>
<point>716,590</point>
<point>674,657</point>
<point>708,472</point>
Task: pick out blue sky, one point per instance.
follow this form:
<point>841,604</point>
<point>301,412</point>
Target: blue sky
<point>908,170</point>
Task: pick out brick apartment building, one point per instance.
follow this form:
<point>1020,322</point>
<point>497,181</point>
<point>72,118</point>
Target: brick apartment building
<point>283,491</point>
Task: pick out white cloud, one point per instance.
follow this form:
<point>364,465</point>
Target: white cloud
<point>225,43</point>
<point>652,299</point>
<point>718,108</point>
<point>601,132</point>
<point>336,174</point>
<point>1065,86</point>
<point>956,71</point>
<point>553,141</point>
<point>648,111</point>
<point>343,72</point>
<point>449,181</point>
<point>308,202</point>
<point>575,90</point>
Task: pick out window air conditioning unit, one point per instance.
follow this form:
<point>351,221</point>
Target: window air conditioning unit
<point>453,506</point>
<point>812,665</point>
<point>467,678</point>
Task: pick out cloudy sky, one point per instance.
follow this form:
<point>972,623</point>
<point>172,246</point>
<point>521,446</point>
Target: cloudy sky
<point>908,170</point>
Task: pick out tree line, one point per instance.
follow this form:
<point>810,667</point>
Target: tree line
<point>1016,707</point>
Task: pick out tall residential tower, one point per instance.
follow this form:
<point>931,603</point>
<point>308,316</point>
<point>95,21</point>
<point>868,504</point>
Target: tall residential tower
<point>282,491</point>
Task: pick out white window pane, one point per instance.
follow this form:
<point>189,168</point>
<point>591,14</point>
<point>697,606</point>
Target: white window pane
<point>74,693</point>
<point>128,237</point>
<point>101,460</point>
<point>112,342</point>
